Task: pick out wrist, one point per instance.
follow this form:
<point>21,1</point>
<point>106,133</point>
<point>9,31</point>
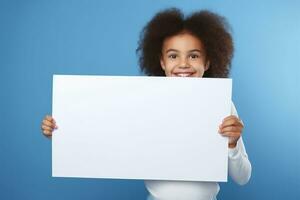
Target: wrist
<point>232,145</point>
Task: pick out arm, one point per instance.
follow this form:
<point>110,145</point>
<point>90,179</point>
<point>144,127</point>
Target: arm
<point>239,166</point>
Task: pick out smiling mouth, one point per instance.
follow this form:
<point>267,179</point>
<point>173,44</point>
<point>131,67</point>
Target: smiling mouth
<point>183,74</point>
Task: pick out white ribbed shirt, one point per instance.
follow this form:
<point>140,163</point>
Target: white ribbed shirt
<point>239,168</point>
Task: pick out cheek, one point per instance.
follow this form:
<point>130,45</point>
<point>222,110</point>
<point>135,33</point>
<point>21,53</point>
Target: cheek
<point>200,70</point>
<point>199,74</point>
<point>168,72</point>
<point>168,67</point>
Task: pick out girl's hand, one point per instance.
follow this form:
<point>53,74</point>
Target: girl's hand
<point>48,125</point>
<point>231,127</point>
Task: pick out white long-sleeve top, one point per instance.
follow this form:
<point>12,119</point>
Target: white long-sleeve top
<point>239,168</point>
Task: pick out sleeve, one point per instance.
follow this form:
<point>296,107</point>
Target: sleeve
<point>239,166</point>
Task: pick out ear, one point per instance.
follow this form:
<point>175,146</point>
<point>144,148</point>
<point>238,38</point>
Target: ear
<point>206,67</point>
<point>162,64</point>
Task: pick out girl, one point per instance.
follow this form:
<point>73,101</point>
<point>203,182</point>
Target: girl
<point>195,46</point>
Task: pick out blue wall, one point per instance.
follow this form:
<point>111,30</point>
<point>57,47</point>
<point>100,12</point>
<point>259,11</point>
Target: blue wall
<point>40,38</point>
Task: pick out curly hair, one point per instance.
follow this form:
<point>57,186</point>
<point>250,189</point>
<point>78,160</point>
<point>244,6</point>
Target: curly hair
<point>211,29</point>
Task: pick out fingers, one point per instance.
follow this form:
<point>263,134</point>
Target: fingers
<point>231,121</point>
<point>49,118</point>
<point>47,133</point>
<point>49,121</point>
<point>231,129</point>
<point>232,134</point>
<point>48,125</point>
<point>47,128</point>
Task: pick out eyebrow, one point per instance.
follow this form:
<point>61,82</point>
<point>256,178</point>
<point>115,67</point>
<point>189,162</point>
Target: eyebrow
<point>193,50</point>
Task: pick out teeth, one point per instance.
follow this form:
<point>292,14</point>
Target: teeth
<point>183,74</point>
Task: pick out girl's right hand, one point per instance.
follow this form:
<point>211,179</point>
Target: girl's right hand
<point>48,125</point>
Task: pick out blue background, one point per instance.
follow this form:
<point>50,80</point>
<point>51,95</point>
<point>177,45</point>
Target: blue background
<point>40,38</point>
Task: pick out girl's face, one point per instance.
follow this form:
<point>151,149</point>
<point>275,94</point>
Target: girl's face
<point>183,55</point>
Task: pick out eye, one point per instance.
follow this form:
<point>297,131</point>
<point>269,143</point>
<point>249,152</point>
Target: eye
<point>194,56</point>
<point>172,56</point>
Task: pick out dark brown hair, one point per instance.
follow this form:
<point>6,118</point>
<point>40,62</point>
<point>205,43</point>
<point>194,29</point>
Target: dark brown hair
<point>211,29</point>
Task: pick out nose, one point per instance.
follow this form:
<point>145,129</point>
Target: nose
<point>183,63</point>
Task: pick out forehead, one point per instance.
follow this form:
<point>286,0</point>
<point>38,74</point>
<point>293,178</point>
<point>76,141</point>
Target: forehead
<point>182,42</point>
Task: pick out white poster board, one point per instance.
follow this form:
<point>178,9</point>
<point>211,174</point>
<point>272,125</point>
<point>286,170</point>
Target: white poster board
<point>154,128</point>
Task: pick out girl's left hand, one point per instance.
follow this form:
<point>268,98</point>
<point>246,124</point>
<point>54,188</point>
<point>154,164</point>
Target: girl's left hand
<point>231,127</point>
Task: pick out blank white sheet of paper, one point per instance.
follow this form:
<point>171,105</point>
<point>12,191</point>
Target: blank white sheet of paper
<point>137,127</point>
